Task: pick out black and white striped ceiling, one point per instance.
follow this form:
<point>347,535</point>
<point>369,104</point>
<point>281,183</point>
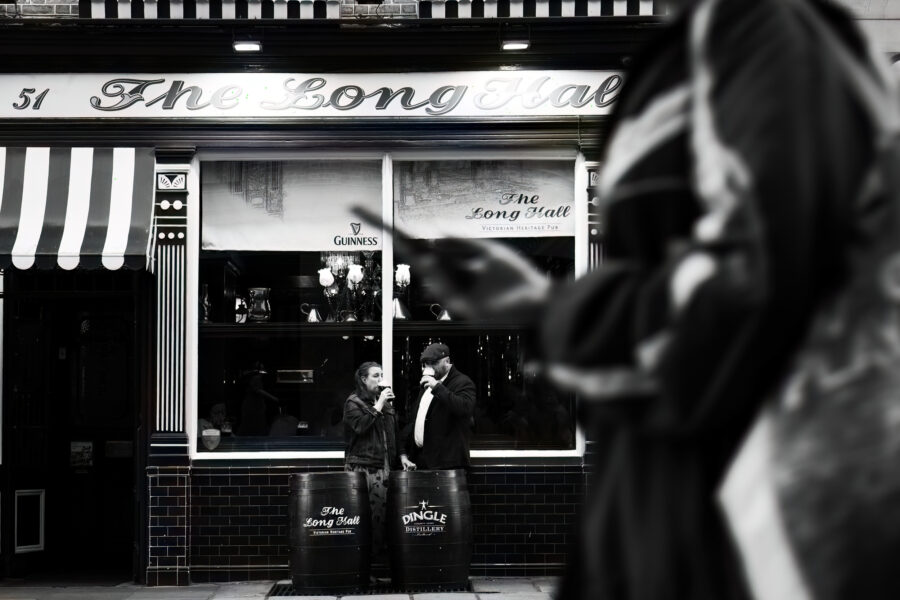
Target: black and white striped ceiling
<point>331,9</point>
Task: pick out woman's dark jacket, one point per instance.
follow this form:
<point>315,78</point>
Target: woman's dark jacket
<point>367,431</point>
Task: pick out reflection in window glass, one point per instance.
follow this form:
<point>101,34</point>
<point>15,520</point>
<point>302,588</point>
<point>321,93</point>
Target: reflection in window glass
<point>263,391</point>
<point>515,409</point>
<point>289,205</point>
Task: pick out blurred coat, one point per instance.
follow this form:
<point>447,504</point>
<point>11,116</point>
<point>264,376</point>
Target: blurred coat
<point>728,188</point>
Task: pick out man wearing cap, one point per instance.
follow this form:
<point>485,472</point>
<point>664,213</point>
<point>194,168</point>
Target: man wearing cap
<point>438,435</point>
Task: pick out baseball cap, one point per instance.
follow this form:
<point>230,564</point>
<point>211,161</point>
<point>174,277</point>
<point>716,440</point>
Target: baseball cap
<point>435,352</point>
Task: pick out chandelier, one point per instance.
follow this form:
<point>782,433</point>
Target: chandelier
<point>351,284</point>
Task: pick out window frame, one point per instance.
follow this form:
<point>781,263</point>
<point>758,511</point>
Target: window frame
<point>387,158</point>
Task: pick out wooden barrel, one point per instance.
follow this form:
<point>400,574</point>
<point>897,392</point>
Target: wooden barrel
<point>429,522</point>
<point>329,532</point>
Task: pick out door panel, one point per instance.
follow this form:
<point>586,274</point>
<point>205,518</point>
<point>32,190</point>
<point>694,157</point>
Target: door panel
<point>70,417</point>
<point>101,413</point>
<point>27,433</point>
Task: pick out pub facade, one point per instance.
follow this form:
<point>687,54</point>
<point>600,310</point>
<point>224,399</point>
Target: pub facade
<point>189,284</point>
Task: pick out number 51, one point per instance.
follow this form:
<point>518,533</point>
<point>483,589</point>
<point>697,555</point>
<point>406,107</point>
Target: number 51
<point>25,95</point>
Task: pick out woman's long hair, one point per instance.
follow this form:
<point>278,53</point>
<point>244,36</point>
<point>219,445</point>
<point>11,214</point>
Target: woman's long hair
<point>363,371</point>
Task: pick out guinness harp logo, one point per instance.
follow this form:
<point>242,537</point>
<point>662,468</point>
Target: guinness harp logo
<point>355,239</point>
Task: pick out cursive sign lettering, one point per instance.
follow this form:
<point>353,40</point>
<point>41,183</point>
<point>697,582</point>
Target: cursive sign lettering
<point>223,98</point>
<point>175,92</point>
<point>512,197</point>
<point>431,94</point>
<point>115,88</point>
<point>532,211</point>
<point>500,92</point>
<point>298,94</point>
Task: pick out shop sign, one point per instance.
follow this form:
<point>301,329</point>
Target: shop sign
<point>305,95</point>
<point>484,199</point>
<point>424,520</point>
<point>331,520</point>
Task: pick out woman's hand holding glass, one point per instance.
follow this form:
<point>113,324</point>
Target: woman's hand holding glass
<point>387,394</point>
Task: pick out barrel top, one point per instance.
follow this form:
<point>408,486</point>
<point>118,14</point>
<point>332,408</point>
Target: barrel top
<point>327,479</point>
<point>448,475</point>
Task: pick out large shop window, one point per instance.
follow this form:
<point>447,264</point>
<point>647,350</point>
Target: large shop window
<point>291,295</point>
<point>278,339</point>
<point>527,205</point>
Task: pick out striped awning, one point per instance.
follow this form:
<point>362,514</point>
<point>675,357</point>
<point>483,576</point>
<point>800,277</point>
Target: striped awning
<point>75,207</point>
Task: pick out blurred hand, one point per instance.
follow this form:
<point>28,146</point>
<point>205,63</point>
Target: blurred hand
<point>428,381</point>
<point>407,464</point>
<point>476,279</point>
<point>609,384</point>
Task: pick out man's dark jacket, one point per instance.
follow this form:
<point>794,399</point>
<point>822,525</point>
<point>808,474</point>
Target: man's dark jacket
<point>448,425</point>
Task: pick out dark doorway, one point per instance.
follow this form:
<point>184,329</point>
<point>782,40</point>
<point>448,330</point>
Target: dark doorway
<point>71,427</point>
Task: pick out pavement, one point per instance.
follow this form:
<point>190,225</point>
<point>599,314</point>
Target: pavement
<point>483,588</point>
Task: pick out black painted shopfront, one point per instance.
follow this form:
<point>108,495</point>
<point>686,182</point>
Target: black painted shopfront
<point>112,376</point>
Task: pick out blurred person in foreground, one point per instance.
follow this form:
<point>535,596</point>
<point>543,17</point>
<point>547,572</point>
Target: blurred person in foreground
<point>733,182</point>
<point>371,431</point>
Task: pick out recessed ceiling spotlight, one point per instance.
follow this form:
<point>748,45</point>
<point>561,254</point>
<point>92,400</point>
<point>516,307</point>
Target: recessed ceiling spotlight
<point>516,44</point>
<point>515,37</point>
<point>246,46</point>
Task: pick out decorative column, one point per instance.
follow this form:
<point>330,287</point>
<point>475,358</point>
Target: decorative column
<point>595,218</point>
<point>168,461</point>
<point>592,445</point>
